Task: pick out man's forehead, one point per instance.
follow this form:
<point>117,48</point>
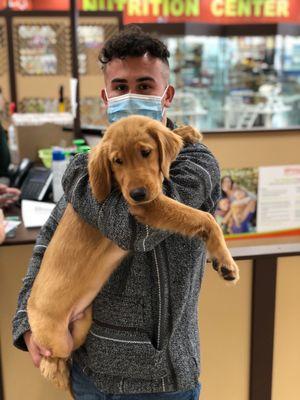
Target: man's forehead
<point>135,68</point>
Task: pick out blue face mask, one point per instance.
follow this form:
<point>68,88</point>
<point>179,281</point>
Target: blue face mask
<point>135,104</point>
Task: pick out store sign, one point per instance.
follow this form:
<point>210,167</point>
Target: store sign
<point>251,11</point>
<point>148,10</point>
<point>205,11</point>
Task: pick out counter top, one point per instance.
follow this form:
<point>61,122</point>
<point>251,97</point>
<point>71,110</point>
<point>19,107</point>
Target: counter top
<point>240,249</point>
<point>280,250</point>
<point>23,235</point>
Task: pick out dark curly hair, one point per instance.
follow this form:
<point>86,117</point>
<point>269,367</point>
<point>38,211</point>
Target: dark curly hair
<point>133,42</point>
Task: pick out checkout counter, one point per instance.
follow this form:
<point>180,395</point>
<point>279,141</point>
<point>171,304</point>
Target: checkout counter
<point>249,333</point>
<point>237,324</point>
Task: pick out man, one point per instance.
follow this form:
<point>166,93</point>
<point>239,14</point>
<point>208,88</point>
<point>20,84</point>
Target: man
<point>143,343</point>
<point>8,195</point>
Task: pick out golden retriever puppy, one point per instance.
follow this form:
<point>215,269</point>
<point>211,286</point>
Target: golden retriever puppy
<point>135,153</point>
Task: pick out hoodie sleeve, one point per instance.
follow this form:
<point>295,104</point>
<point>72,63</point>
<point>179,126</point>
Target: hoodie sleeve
<point>194,181</point>
<point>20,322</point>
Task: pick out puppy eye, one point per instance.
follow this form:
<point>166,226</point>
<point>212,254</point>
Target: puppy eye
<point>145,153</point>
<point>118,161</point>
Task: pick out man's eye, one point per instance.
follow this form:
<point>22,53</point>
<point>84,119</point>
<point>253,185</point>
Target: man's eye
<point>145,153</point>
<point>144,87</point>
<point>118,161</point>
<point>121,88</point>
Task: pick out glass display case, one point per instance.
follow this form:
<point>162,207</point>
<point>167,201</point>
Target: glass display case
<point>92,33</point>
<point>235,82</point>
<point>42,62</point>
<point>90,39</point>
<point>38,49</point>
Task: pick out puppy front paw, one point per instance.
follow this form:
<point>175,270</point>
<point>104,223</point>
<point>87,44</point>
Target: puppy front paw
<point>139,213</point>
<point>228,270</point>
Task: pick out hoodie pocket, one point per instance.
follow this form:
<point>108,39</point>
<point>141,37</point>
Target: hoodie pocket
<point>129,354</point>
<point>119,310</point>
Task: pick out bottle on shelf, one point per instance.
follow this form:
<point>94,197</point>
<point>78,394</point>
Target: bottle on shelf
<point>59,165</point>
<point>61,100</point>
<point>78,143</point>
<point>84,149</point>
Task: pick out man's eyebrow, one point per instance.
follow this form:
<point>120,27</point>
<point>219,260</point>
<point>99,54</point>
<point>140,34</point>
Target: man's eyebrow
<point>145,78</point>
<point>141,79</point>
<point>119,80</point>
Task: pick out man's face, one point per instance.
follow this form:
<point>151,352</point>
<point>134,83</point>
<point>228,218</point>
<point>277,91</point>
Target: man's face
<point>141,75</point>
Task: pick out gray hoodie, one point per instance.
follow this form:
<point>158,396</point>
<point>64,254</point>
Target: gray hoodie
<point>144,337</point>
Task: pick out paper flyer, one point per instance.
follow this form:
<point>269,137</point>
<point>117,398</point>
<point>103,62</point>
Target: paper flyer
<point>279,198</point>
<point>35,213</point>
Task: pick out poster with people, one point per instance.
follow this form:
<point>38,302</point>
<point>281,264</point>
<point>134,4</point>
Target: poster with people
<point>236,210</point>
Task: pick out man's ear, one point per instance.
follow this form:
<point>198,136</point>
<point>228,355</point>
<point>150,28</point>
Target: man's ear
<point>100,172</point>
<point>169,145</point>
<point>169,96</point>
<point>103,96</point>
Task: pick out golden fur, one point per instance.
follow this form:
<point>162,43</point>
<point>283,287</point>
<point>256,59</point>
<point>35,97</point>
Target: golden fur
<point>135,152</point>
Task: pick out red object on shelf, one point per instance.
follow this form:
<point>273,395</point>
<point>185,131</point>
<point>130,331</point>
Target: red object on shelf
<point>12,108</point>
<point>263,235</point>
<point>60,5</point>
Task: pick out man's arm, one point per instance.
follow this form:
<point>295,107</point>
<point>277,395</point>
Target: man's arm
<point>20,320</point>
<point>194,181</point>
<point>2,227</point>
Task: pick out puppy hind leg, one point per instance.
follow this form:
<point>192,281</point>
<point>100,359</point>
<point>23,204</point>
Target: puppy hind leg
<point>55,368</point>
<point>80,327</point>
<point>62,343</point>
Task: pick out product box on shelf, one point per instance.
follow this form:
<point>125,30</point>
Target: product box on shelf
<point>41,132</point>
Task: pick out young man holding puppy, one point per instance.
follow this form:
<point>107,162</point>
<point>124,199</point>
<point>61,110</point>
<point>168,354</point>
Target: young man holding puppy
<point>143,343</point>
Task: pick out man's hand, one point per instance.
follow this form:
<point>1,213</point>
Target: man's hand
<point>36,352</point>
<point>8,195</point>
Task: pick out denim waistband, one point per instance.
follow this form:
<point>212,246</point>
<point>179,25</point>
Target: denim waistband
<point>120,385</point>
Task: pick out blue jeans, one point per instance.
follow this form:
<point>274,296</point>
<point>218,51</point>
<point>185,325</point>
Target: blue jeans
<point>84,389</point>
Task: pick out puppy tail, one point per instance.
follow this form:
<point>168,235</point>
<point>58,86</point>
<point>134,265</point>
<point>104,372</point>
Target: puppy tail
<point>56,371</point>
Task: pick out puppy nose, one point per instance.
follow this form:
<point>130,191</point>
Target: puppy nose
<point>138,194</point>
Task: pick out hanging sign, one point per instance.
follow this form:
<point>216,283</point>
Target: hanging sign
<point>250,11</point>
<point>205,11</point>
<point>164,11</point>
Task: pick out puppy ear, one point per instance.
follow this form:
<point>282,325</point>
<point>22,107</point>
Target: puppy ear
<point>99,172</point>
<point>169,145</point>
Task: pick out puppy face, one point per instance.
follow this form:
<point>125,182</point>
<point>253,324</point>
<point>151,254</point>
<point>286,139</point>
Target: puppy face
<point>136,152</point>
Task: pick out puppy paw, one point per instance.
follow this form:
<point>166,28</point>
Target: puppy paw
<point>142,213</point>
<point>228,270</point>
<point>56,371</point>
